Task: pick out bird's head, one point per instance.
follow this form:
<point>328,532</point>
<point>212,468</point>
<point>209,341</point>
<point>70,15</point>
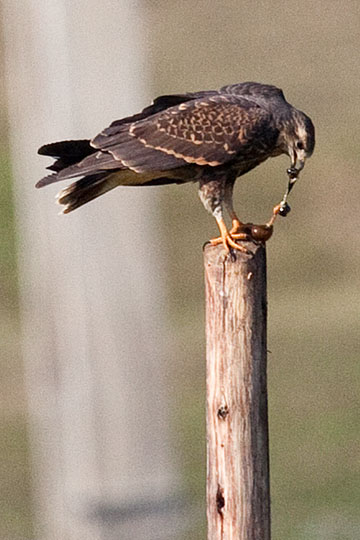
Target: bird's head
<point>297,139</point>
<point>300,140</point>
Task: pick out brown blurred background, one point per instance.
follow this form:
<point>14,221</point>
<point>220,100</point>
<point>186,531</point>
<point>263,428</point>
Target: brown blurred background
<point>310,50</point>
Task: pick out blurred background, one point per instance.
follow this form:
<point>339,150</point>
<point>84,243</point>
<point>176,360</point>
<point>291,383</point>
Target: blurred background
<point>102,354</point>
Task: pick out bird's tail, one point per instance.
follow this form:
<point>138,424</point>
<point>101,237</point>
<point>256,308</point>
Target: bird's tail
<point>66,153</point>
<point>75,158</point>
<point>85,190</point>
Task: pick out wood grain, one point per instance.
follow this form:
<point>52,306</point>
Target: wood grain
<point>238,499</point>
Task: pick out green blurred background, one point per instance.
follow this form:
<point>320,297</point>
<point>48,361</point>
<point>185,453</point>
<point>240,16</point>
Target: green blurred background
<point>311,50</point>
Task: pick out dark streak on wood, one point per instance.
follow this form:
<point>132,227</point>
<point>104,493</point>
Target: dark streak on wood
<point>220,501</point>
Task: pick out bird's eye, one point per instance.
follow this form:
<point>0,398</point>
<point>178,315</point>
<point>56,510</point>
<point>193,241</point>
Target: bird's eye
<point>300,145</point>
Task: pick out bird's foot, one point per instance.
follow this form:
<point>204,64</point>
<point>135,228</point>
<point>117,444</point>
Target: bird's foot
<point>249,232</point>
<point>229,241</point>
<point>237,226</point>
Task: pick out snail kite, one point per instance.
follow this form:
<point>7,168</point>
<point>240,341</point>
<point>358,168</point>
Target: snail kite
<point>211,137</point>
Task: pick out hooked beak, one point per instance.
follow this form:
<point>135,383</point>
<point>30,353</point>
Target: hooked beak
<point>297,164</point>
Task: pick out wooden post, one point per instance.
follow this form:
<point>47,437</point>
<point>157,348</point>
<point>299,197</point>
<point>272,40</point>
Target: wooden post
<point>238,497</point>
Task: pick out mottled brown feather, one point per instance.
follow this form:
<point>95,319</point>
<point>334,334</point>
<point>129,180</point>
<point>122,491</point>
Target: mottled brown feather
<point>209,131</point>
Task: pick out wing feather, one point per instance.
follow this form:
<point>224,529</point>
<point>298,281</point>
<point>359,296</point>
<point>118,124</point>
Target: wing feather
<point>159,104</point>
<point>211,131</point>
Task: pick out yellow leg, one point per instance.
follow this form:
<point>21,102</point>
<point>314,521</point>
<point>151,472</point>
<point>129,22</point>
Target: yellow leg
<point>236,224</point>
<point>226,238</point>
<point>244,231</point>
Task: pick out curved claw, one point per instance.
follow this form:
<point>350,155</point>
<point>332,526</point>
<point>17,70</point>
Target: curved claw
<point>228,241</point>
<point>238,236</point>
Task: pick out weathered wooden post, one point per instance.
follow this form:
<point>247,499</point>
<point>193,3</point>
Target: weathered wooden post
<point>238,498</point>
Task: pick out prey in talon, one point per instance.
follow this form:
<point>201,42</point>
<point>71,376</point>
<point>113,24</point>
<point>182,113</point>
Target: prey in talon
<point>211,137</point>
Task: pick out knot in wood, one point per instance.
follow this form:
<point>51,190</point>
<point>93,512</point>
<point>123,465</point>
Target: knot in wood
<point>223,411</point>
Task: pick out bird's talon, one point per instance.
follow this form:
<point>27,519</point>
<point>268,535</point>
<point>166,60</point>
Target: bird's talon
<point>232,255</point>
<point>241,236</point>
<point>237,227</point>
<point>226,246</point>
<point>234,245</point>
<point>216,241</point>
<point>229,243</point>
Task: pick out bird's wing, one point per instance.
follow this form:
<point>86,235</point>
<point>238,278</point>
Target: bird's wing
<point>255,91</point>
<point>160,104</point>
<point>210,131</point>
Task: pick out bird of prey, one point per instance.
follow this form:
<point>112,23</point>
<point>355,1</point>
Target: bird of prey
<point>211,137</point>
